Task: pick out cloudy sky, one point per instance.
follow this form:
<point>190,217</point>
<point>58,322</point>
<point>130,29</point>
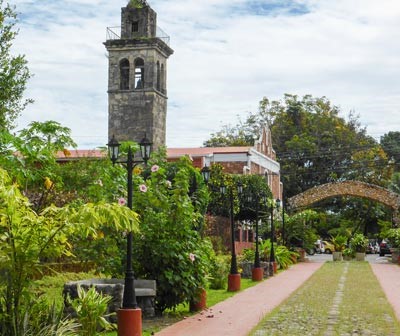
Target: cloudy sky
<point>228,55</point>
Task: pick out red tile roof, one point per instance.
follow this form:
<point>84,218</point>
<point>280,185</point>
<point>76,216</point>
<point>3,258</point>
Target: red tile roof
<point>80,153</point>
<point>171,152</point>
<point>202,151</point>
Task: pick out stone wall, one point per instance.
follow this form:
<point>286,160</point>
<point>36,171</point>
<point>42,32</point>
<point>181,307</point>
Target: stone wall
<point>348,188</point>
<point>145,295</point>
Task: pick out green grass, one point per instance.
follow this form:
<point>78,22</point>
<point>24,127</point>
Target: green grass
<point>51,287</point>
<point>363,310</point>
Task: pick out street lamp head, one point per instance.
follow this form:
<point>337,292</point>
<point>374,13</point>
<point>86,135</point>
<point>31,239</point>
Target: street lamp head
<point>240,188</point>
<point>222,189</point>
<point>206,172</point>
<point>113,149</point>
<point>278,203</point>
<point>145,148</point>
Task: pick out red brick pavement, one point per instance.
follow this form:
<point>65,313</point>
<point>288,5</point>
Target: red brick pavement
<point>238,315</point>
<point>388,275</point>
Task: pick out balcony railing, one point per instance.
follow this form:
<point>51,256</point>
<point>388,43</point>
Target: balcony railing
<point>113,34</point>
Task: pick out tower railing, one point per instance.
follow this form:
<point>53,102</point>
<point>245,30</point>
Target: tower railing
<point>113,34</point>
<point>162,35</point>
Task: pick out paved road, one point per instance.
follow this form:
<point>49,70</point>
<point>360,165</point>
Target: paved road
<point>372,258</point>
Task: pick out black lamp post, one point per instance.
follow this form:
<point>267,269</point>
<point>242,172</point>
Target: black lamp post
<point>257,263</point>
<point>129,297</point>
<point>257,271</point>
<point>272,252</point>
<point>283,224</point>
<point>234,276</point>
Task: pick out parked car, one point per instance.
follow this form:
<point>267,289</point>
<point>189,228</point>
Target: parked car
<point>328,247</point>
<point>385,248</point>
<point>372,248</point>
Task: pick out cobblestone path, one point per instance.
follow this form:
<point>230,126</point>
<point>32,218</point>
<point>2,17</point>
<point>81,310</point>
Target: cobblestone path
<point>340,299</point>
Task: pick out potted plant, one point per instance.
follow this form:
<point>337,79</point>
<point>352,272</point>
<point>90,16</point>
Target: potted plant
<point>349,254</point>
<point>339,244</point>
<point>359,243</point>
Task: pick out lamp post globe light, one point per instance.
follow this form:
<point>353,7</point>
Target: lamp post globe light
<point>234,276</point>
<point>129,317</point>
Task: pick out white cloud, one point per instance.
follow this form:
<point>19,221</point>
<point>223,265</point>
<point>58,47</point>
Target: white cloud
<point>228,55</point>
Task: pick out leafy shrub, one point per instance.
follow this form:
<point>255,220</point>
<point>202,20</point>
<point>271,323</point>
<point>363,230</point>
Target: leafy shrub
<point>218,244</point>
<point>48,320</point>
<point>90,307</point>
<point>359,242</point>
<point>339,242</point>
<point>247,255</point>
<point>349,252</point>
<point>300,229</point>
<point>284,257</point>
<point>265,249</point>
<point>394,236</point>
<point>219,271</point>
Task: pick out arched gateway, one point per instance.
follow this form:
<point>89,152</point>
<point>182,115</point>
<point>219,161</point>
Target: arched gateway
<point>348,188</point>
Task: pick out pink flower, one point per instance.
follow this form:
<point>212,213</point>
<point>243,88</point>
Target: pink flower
<point>143,188</point>
<point>192,257</point>
<point>155,168</point>
<point>121,201</point>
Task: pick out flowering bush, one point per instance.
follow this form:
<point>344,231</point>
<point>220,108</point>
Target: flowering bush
<point>170,248</point>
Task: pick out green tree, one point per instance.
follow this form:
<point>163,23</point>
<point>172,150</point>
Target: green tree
<point>314,145</point>
<point>390,143</point>
<point>14,72</point>
<point>30,156</point>
<point>395,183</point>
<point>301,228</point>
<point>27,238</point>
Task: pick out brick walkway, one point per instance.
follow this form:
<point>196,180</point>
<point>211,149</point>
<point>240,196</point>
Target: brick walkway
<point>239,314</point>
<point>388,275</point>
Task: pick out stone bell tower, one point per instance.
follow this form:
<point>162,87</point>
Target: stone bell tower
<point>137,76</point>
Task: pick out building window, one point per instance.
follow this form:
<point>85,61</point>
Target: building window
<point>135,26</point>
<point>139,73</point>
<point>162,79</point>
<point>158,77</point>
<point>124,74</point>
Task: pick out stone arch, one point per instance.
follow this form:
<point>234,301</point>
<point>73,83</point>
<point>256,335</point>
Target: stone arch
<point>348,188</point>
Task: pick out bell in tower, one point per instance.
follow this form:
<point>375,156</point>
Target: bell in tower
<point>137,90</point>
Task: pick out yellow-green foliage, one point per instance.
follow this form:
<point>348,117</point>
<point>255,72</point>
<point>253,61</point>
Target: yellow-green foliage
<point>27,237</point>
